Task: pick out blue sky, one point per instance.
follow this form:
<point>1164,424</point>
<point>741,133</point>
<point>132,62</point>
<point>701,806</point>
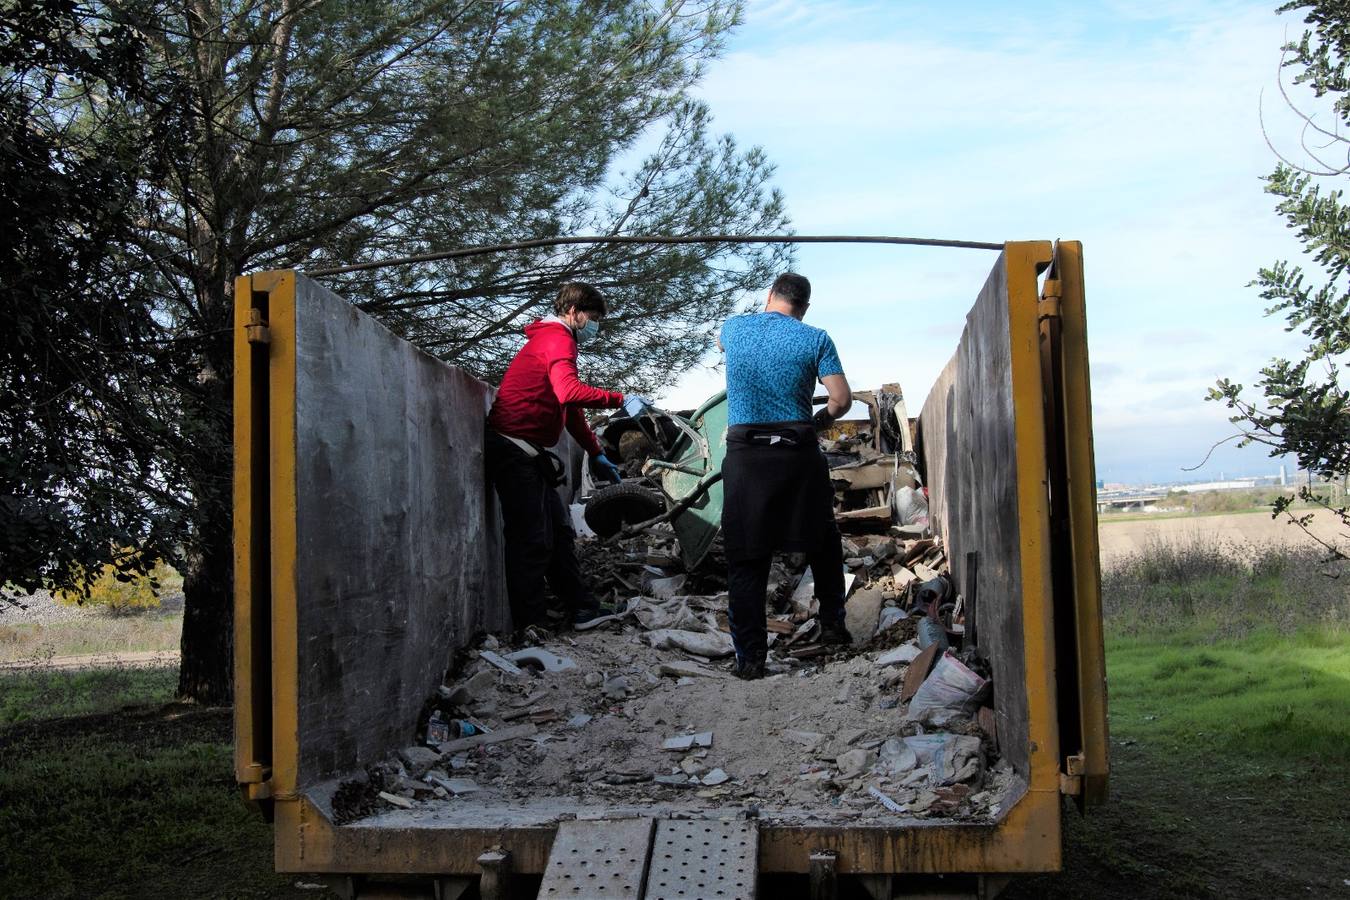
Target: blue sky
<point>1133,127</point>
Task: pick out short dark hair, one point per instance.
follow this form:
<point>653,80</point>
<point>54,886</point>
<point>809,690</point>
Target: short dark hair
<point>579,295</point>
<point>792,288</point>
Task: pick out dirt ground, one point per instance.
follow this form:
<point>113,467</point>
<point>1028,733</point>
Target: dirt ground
<point>1119,539</point>
<point>138,658</point>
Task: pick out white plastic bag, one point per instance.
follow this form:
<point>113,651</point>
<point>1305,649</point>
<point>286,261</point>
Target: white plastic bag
<point>713,645</point>
<point>949,757</point>
<point>950,691</point>
<point>911,506</point>
<point>653,614</point>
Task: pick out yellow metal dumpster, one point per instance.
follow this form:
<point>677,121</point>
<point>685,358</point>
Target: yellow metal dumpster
<point>367,550</point>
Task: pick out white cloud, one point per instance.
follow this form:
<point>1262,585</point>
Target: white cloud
<point>1132,126</point>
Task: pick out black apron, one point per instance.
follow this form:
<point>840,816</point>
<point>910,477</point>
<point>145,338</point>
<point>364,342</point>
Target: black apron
<point>776,491</point>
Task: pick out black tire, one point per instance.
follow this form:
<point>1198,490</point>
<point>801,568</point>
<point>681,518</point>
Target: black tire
<point>611,508</point>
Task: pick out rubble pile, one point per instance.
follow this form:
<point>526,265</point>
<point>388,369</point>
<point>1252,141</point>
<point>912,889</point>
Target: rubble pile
<point>643,710</point>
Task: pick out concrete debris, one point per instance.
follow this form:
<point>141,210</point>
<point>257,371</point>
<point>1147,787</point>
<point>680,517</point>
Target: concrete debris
<point>616,687</point>
<point>860,614</point>
<point>923,573</point>
<point>466,692</point>
<point>716,777</point>
<point>500,662</point>
<point>418,759</point>
<point>811,740</point>
<point>579,720</point>
<point>683,669</point>
<point>899,656</point>
<point>454,786</point>
<point>541,659</point>
<point>853,763</point>
<point>396,800</point>
<point>688,741</point>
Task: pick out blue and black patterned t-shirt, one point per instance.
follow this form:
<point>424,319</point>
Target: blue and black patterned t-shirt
<point>773,364</point>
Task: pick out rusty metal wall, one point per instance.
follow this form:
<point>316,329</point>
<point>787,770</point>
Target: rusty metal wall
<point>398,556</point>
<point>969,450</point>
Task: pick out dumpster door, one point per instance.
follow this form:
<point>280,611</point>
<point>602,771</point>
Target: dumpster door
<point>1075,563</point>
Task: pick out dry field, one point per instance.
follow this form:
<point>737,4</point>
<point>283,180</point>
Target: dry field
<point>1235,530</point>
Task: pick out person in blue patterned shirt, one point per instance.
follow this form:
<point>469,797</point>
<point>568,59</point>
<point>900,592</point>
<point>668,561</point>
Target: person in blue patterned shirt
<point>776,483</point>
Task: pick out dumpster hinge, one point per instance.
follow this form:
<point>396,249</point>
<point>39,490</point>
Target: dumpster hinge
<point>1048,307</point>
<point>256,328</point>
<point>1071,779</point>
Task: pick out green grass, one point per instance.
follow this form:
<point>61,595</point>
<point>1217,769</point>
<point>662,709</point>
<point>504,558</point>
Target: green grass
<point>28,695</point>
<point>95,634</point>
<point>1247,657</point>
<point>1276,702</point>
<point>133,805</point>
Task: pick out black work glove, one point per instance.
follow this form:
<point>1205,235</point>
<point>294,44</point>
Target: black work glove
<point>822,420</point>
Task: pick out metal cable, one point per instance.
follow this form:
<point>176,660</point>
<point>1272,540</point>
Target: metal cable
<point>656,239</point>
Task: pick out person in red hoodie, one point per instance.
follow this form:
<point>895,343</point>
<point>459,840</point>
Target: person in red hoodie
<point>539,396</point>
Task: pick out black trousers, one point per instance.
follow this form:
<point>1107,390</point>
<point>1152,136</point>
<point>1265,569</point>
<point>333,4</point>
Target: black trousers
<point>777,496</point>
<point>539,535</point>
<point>747,587</point>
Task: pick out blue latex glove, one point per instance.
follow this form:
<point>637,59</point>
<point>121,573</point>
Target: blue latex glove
<point>634,405</point>
<point>610,470</point>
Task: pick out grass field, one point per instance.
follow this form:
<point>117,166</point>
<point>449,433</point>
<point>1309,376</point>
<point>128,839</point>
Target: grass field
<point>1230,741</point>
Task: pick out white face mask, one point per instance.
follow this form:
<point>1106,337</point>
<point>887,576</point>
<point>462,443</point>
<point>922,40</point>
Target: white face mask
<point>587,332</point>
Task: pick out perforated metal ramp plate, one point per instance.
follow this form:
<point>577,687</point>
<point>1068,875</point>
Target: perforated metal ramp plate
<point>703,859</point>
<point>598,860</point>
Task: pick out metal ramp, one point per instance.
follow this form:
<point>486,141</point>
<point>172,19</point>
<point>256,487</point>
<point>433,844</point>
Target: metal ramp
<point>646,859</point>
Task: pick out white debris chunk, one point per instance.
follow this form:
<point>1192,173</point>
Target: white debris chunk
<point>500,662</point>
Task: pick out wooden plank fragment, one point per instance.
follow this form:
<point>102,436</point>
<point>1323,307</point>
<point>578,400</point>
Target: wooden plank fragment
<point>480,740</point>
<point>918,671</point>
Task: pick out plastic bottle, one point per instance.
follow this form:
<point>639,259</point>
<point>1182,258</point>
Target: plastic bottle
<point>438,730</point>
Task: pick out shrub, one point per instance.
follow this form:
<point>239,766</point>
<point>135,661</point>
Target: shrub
<point>1224,589</point>
<point>120,593</point>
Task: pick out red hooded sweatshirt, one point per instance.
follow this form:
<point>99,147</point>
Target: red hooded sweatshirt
<point>541,391</point>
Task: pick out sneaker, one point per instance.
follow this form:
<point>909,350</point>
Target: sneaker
<point>592,616</point>
<point>749,669</point>
<point>835,633</point>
